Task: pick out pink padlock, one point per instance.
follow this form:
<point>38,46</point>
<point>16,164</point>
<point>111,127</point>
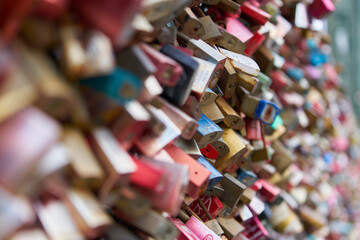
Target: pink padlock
<point>238,29</point>
<point>201,230</point>
<point>255,230</point>
<point>269,191</point>
<point>185,232</point>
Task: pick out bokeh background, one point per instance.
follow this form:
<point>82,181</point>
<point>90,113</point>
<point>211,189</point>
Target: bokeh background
<point>343,26</point>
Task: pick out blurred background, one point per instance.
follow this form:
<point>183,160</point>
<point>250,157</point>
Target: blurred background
<point>343,26</point>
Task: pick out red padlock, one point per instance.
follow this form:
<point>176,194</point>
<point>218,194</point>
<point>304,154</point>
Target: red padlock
<point>209,152</point>
<point>147,175</point>
<point>199,175</point>
<point>253,44</point>
<point>212,203</point>
<point>321,8</point>
<point>255,14</point>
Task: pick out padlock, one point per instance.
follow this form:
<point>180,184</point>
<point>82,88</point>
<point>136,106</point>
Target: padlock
<point>127,200</point>
<point>260,109</point>
<point>109,152</point>
<point>202,76</point>
<point>231,227</point>
<point>268,191</point>
<point>84,61</point>
<point>205,51</point>
<point>56,220</point>
<point>244,211</point>
<point>255,230</point>
<point>233,189</point>
<point>199,175</point>
<point>200,229</point>
<point>208,97</point>
<point>241,63</point>
<point>285,220</point>
<point>265,59</point>
<point>236,148</point>
<point>143,28</point>
<point>253,44</point>
<point>213,112</point>
<point>239,30</point>
<point>231,117</point>
<point>157,9</point>
<point>301,19</point>
<point>147,176</point>
<point>190,24</point>
<point>151,143</point>
<point>321,8</point>
<point>88,213</point>
<point>257,206</point>
<point>190,147</point>
<point>212,33</point>
<point>89,172</point>
<point>228,80</point>
<point>228,6</point>
<point>167,71</point>
<point>216,191</point>
<point>255,14</point>
<point>21,158</point>
<point>259,153</point>
<point>169,195</point>
<point>153,224</point>
<point>176,10</point>
<point>282,157</point>
<point>130,123</point>
<point>121,86</point>
<point>186,124</point>
<point>133,59</point>
<point>231,41</point>
<point>180,92</point>
<point>192,107</point>
<point>248,82</point>
<point>207,132</point>
<point>209,152</point>
<point>212,204</point>
<point>74,55</point>
<point>221,147</point>
<point>246,177</point>
<point>185,232</point>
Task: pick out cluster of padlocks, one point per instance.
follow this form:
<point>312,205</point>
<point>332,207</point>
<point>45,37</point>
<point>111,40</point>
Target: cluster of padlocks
<point>174,119</point>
